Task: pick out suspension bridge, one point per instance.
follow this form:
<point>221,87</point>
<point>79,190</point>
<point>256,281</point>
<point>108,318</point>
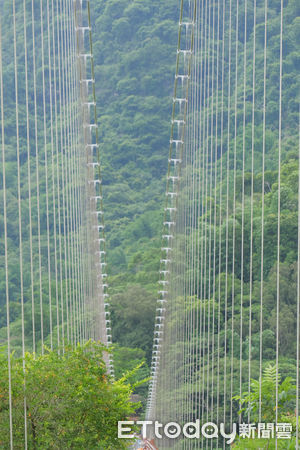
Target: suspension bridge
<point>228,303</point>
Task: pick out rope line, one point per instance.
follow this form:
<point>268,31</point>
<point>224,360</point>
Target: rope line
<point>19,214</point>
<point>6,249</point>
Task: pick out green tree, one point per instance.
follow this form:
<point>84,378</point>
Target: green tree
<point>263,395</point>
<point>70,400</point>
<point>133,315</point>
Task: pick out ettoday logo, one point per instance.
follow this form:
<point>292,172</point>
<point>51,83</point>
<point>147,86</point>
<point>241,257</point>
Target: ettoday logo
<point>209,430</point>
<point>172,430</point>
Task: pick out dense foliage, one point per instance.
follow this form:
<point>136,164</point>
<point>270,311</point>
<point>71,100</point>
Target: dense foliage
<point>70,400</point>
<point>262,398</point>
<point>243,344</point>
<point>135,95</point>
<point>135,45</point>
<point>135,51</point>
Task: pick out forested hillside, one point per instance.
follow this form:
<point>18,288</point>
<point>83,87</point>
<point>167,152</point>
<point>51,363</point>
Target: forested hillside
<point>135,52</point>
<point>135,47</point>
